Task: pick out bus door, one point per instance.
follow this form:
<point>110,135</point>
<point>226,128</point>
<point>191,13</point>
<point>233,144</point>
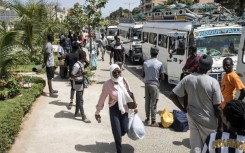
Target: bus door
<point>240,69</point>
<point>177,55</point>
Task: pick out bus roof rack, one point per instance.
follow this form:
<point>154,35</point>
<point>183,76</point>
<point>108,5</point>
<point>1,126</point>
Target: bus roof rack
<point>217,15</point>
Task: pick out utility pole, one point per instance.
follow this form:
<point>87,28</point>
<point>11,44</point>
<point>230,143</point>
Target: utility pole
<point>129,3</point>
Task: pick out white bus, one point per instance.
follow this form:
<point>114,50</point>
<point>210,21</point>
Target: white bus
<point>130,35</point>
<point>240,69</point>
<point>174,36</point>
<point>111,31</point>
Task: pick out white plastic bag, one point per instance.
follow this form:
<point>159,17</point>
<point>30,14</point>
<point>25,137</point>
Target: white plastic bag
<point>136,128</point>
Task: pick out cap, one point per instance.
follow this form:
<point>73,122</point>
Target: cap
<point>206,62</point>
<point>154,50</point>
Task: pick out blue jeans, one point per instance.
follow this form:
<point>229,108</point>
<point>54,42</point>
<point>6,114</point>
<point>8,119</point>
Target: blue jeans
<point>119,125</point>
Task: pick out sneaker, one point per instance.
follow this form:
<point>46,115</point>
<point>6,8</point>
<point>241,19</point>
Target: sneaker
<point>84,119</point>
<point>53,95</point>
<point>155,124</point>
<point>147,121</point>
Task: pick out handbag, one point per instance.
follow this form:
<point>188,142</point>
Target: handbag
<point>133,104</point>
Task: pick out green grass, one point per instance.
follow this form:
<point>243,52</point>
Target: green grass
<point>23,68</point>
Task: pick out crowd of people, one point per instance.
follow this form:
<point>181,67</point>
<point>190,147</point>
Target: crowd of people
<point>216,118</point>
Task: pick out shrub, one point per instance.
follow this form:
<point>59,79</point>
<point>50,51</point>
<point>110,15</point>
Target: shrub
<point>13,110</point>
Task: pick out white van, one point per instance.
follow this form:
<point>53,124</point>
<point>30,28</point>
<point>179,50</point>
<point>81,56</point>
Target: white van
<point>177,32</point>
<point>111,32</point>
<point>130,35</point>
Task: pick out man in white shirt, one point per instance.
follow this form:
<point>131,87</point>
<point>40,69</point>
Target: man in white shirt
<point>49,63</point>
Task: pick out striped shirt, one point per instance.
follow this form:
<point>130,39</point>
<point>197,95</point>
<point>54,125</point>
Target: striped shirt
<point>223,142</point>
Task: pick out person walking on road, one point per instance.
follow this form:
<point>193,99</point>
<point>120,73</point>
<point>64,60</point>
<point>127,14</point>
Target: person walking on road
<point>230,82</point>
<point>49,64</point>
<point>70,60</point>
<point>101,45</point>
<point>94,58</point>
<point>153,71</point>
<point>202,106</point>
<point>118,53</point>
<point>116,88</point>
<point>232,140</point>
<point>78,76</point>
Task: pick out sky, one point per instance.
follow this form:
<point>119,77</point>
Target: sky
<point>112,5</point>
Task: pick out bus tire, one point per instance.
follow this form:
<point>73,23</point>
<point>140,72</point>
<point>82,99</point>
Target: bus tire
<point>131,57</point>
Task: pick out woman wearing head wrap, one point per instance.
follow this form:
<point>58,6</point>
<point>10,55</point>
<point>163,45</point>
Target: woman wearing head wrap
<point>116,87</point>
<point>93,58</point>
<point>232,140</point>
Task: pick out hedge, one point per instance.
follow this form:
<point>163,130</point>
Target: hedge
<point>13,110</point>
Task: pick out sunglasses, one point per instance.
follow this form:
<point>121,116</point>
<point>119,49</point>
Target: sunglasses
<point>116,72</point>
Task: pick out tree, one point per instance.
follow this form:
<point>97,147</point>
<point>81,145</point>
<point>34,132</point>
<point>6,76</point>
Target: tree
<point>28,36</point>
<point>93,11</point>
<point>34,22</point>
<point>76,18</point>
<point>136,10</point>
<point>237,5</point>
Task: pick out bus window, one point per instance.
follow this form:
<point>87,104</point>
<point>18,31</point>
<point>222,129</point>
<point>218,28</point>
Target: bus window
<point>180,46</point>
<point>162,40</point>
<point>171,45</point>
<point>145,36</point>
<point>153,38</point>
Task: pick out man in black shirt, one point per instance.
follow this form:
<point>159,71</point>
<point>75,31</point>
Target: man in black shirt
<point>118,53</point>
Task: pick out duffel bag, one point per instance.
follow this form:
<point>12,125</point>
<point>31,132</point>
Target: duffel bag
<point>180,121</point>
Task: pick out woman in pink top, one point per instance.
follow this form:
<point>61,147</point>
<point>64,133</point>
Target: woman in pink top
<point>116,88</point>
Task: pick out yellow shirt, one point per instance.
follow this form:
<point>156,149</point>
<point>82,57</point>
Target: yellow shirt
<point>229,84</point>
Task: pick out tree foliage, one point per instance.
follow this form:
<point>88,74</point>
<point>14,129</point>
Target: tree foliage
<point>29,34</point>
<point>76,18</point>
<point>236,5</point>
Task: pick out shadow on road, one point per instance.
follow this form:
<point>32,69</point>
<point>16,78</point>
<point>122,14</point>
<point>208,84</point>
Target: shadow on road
<point>184,142</point>
<point>64,114</point>
<point>102,147</point>
<point>101,82</point>
<point>59,103</point>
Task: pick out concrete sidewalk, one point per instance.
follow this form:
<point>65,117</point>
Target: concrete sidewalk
<point>51,128</point>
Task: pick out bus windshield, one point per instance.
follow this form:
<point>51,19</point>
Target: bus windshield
<point>136,33</point>
<point>111,32</point>
<point>221,45</point>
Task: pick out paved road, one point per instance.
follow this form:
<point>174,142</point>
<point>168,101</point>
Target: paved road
<point>51,128</point>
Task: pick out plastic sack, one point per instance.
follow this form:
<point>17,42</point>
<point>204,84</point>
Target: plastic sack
<point>167,118</point>
<point>136,128</point>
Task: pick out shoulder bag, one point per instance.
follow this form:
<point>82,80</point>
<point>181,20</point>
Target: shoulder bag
<point>133,104</point>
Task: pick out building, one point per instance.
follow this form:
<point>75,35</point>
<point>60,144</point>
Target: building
<point>6,16</point>
<point>147,5</point>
